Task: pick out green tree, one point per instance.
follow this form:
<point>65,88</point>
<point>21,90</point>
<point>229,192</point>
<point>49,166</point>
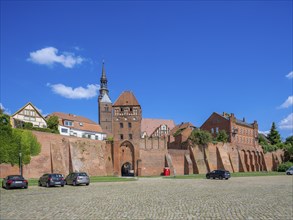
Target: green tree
<point>288,148</point>
<point>14,141</point>
<point>53,123</point>
<point>200,137</point>
<point>222,136</point>
<point>26,143</point>
<point>274,136</point>
<point>5,138</point>
<point>262,140</point>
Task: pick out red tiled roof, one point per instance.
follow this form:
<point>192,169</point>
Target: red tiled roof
<point>181,126</point>
<point>149,125</point>
<point>127,98</point>
<point>79,122</point>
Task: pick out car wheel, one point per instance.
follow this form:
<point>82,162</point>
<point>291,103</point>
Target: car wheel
<point>208,177</point>
<point>26,187</point>
<point>87,184</point>
<point>214,177</point>
<point>226,178</point>
<point>62,185</point>
<point>47,184</point>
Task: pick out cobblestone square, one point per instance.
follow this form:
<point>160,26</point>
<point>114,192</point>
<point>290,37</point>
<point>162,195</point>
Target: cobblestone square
<point>156,198</point>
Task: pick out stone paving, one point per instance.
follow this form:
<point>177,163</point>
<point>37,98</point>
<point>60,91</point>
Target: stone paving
<point>246,198</point>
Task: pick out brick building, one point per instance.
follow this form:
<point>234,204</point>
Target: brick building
<point>240,132</point>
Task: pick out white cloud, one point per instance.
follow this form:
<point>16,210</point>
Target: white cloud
<point>287,103</point>
<point>77,48</point>
<point>75,93</point>
<point>5,110</point>
<point>287,123</point>
<point>264,132</point>
<point>49,56</point>
<point>290,75</point>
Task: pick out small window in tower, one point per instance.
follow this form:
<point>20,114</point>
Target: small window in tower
<point>121,136</point>
<point>121,125</point>
<point>129,125</point>
<point>130,136</point>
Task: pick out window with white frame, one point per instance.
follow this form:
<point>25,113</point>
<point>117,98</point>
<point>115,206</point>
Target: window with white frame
<point>64,130</point>
<point>68,123</point>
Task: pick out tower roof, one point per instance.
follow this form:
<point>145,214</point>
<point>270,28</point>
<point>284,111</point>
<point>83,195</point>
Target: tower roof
<point>127,98</point>
<point>106,98</point>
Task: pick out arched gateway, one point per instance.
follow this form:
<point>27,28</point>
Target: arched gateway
<point>127,159</point>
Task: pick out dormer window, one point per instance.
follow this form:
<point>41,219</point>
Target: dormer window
<point>68,123</point>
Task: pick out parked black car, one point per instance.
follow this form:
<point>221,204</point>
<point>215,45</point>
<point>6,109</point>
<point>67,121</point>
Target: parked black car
<point>14,181</point>
<point>51,179</point>
<point>77,178</point>
<point>220,174</point>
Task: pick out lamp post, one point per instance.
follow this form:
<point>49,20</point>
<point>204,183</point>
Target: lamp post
<point>20,161</point>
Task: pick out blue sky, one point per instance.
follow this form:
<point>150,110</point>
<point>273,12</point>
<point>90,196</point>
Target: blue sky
<point>182,59</point>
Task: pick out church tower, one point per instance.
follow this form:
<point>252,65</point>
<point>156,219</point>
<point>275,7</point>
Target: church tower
<point>105,104</point>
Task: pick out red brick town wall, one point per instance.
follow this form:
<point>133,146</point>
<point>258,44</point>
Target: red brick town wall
<point>272,159</point>
<point>64,154</point>
<point>153,143</point>
<point>233,158</point>
<point>152,162</point>
<point>178,161</point>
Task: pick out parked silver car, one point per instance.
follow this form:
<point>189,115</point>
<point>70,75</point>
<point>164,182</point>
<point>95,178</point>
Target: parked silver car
<point>289,171</point>
<point>77,178</point>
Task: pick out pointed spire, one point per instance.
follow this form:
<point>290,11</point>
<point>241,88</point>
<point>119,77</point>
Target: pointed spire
<point>103,71</point>
<point>104,81</point>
